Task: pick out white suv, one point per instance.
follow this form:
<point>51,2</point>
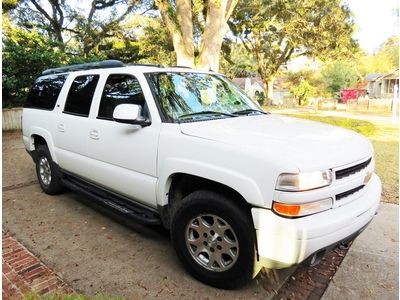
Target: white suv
<point>238,188</point>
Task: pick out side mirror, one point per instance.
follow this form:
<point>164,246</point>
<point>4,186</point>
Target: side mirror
<point>130,114</point>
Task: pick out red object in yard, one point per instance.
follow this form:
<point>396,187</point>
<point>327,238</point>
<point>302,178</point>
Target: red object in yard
<point>352,94</point>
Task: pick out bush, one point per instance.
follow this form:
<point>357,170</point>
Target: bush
<point>25,55</point>
<point>303,92</point>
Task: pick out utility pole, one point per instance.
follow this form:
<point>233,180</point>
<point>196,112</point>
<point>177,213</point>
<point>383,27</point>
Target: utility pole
<point>395,103</point>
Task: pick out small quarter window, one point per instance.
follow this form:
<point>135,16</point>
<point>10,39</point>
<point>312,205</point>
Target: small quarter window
<point>45,91</point>
<point>121,89</point>
<point>81,94</point>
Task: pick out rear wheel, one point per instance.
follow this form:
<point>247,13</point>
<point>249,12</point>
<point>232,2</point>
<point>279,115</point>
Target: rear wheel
<point>47,172</point>
<point>214,239</point>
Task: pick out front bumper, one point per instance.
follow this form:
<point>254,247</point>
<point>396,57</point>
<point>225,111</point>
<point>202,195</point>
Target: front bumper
<point>283,242</point>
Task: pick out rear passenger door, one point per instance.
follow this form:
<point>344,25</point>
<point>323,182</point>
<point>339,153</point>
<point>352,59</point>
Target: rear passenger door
<point>124,156</point>
<point>72,126</point>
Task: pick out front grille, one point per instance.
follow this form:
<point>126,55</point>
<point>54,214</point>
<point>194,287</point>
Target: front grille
<point>348,193</point>
<point>352,170</point>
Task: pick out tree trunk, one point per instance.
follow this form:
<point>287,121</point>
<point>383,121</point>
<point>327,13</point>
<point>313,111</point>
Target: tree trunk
<point>185,46</point>
<point>268,87</point>
<point>270,92</point>
<point>180,30</point>
<point>211,40</point>
<point>178,21</point>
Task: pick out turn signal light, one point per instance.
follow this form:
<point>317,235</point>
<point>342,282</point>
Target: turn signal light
<point>287,209</point>
<point>300,210</point>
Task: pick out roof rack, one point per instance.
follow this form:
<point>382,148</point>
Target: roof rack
<point>183,67</point>
<point>146,65</point>
<point>105,64</point>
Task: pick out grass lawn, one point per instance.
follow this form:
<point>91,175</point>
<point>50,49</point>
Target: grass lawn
<point>385,139</point>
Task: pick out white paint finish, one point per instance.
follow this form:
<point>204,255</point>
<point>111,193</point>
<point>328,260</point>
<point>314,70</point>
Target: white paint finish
<point>308,145</point>
<point>290,241</point>
<point>246,153</point>
<point>249,173</point>
<point>41,123</point>
<point>121,180</point>
<point>120,149</point>
<point>127,112</point>
<point>337,187</point>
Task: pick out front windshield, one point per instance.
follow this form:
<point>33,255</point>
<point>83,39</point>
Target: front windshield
<point>185,97</point>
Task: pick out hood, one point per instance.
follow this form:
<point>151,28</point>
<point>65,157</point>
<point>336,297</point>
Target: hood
<point>306,145</point>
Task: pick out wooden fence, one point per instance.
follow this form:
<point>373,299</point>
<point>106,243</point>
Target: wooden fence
<point>373,105</point>
<point>362,105</point>
<point>12,119</point>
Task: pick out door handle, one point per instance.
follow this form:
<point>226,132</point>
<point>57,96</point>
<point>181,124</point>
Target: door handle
<point>94,134</point>
<point>61,127</point>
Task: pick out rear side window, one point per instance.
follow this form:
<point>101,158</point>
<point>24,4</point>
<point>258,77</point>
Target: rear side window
<point>80,95</point>
<point>45,91</point>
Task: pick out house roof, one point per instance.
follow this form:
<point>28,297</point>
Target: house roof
<point>373,76</point>
<point>279,83</point>
<point>393,75</point>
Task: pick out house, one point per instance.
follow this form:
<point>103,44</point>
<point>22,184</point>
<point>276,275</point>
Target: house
<point>382,85</point>
<point>252,85</point>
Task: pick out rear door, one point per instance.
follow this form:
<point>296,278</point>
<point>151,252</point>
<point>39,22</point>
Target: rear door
<point>72,125</point>
<point>123,157</point>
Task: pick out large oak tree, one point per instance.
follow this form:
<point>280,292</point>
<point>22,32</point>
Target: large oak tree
<point>197,29</point>
<point>276,31</point>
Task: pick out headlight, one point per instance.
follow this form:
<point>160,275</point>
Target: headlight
<point>300,210</point>
<point>304,181</point>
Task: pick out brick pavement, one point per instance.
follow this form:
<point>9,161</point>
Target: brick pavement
<point>24,273</point>
<point>311,282</point>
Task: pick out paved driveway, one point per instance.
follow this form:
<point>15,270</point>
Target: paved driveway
<point>94,251</point>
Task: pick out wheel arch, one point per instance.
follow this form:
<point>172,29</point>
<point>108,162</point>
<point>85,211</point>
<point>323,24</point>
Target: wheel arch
<point>179,185</point>
<point>39,136</point>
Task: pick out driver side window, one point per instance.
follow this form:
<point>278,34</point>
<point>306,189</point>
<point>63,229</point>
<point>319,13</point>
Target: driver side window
<point>121,89</point>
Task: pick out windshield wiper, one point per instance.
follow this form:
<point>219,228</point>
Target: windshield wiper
<point>207,112</point>
<point>249,111</point>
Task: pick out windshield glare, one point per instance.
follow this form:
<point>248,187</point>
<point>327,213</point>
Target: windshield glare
<point>197,96</point>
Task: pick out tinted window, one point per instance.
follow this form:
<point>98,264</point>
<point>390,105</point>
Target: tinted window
<point>81,94</point>
<point>121,89</point>
<point>44,93</point>
<point>188,97</point>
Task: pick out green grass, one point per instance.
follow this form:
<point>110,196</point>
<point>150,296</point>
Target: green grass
<point>364,127</point>
<point>385,139</point>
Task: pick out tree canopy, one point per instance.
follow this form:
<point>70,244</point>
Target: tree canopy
<point>241,38</point>
<point>276,31</point>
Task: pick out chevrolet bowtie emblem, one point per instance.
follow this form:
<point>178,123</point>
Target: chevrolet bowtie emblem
<point>367,177</point>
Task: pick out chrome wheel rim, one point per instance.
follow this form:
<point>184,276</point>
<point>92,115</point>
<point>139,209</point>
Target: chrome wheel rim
<point>44,171</point>
<point>212,242</point>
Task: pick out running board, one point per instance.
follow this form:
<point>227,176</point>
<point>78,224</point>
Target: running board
<point>127,208</point>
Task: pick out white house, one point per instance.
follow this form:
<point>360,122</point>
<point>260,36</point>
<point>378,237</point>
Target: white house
<point>382,85</point>
<point>251,85</point>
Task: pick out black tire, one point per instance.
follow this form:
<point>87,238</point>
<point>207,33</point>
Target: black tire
<point>53,185</point>
<point>207,204</point>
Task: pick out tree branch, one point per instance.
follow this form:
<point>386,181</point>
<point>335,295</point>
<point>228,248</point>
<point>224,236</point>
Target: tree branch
<point>230,6</point>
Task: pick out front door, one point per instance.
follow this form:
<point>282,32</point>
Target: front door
<point>123,157</point>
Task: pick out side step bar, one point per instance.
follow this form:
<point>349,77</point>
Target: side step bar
<point>127,208</point>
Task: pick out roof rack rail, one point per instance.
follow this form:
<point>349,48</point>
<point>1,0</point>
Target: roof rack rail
<point>146,65</point>
<point>183,67</point>
<point>105,64</point>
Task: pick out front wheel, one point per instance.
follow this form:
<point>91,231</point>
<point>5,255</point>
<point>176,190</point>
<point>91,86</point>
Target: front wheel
<point>214,239</point>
